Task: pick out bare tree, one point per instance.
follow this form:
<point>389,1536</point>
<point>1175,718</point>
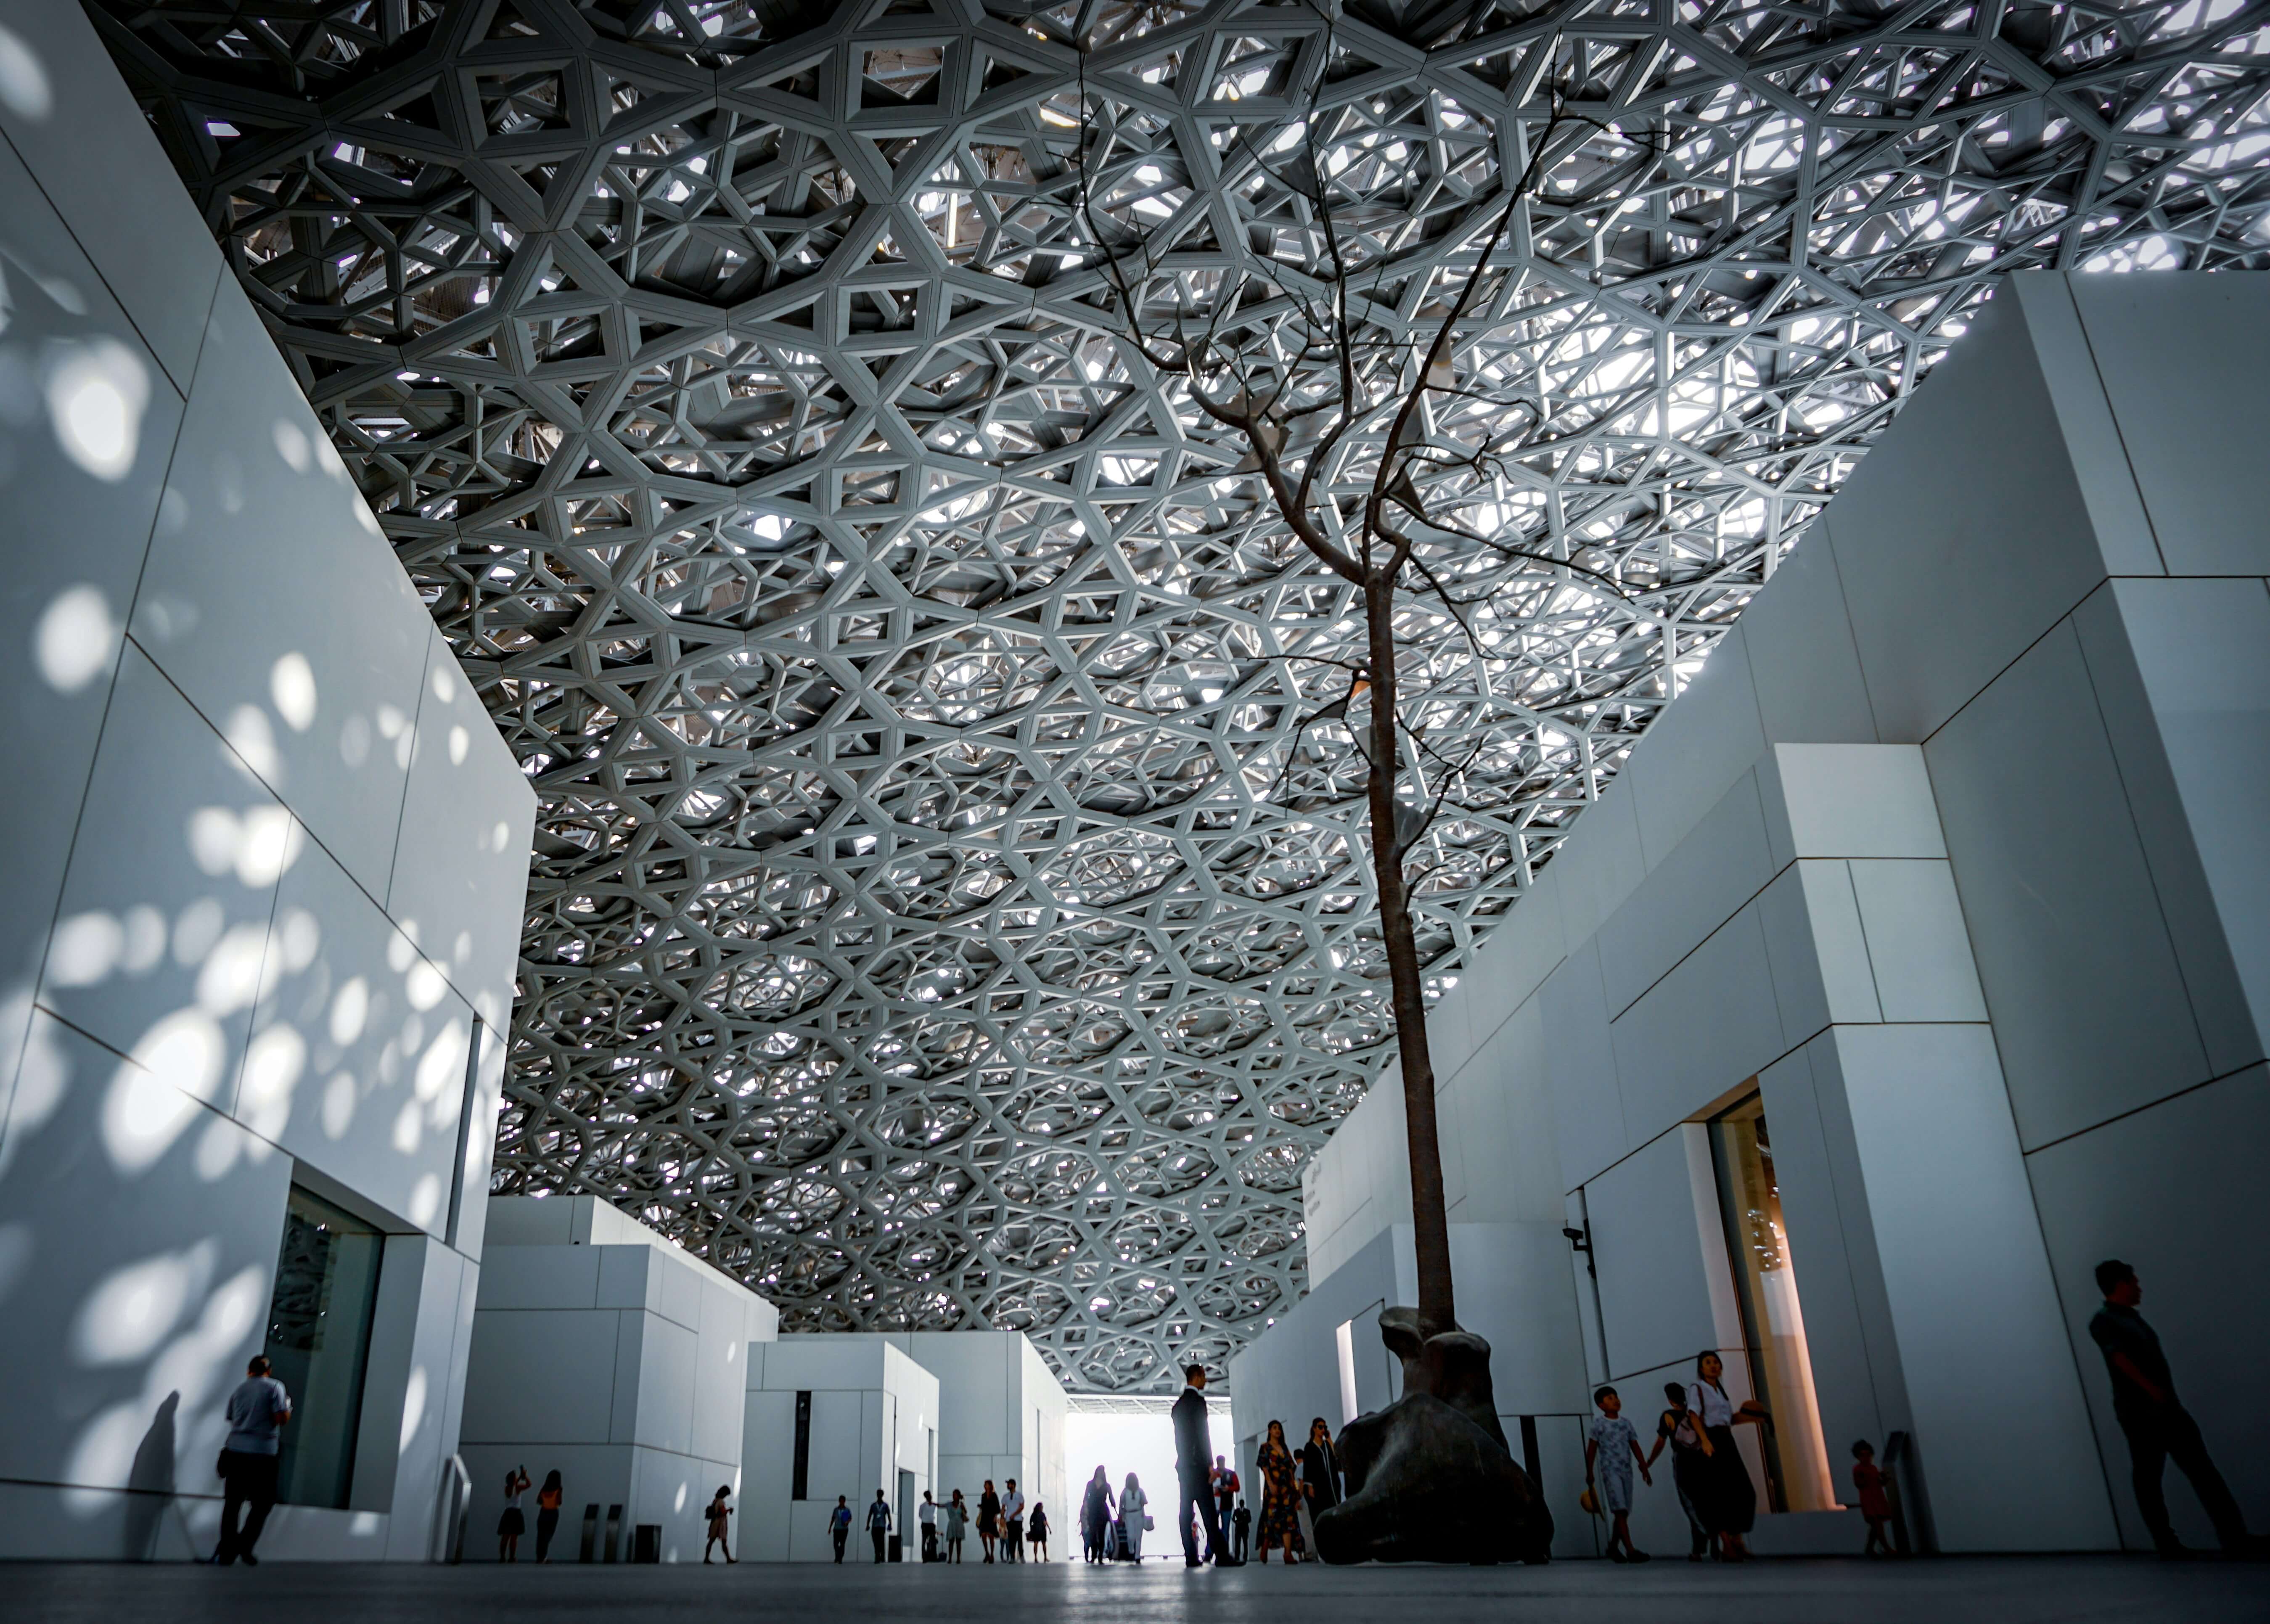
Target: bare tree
<point>1356,420</point>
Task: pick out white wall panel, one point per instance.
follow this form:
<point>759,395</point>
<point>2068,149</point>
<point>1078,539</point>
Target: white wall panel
<point>1655,1284</point>
<point>2174,1191</point>
<point>103,170</point>
<point>1588,1116</point>
<point>2093,439</point>
<point>2219,1004</point>
<point>84,522</point>
<point>357,1065</point>
<point>1962,538</point>
<point>166,907</point>
<point>1917,948</point>
<point>668,1360</point>
<point>1705,741</point>
<point>262,536</point>
<point>1701,1030</point>
<point>460,873</point>
<point>541,1375</point>
<point>2203,649</point>
<point>143,1328</point>
<point>1840,948</point>
<point>1690,892</point>
<point>1803,667</point>
<point>1852,801</point>
<point>2090,1011</point>
<point>543,1277</point>
<point>2187,425</point>
<point>1981,1337</point>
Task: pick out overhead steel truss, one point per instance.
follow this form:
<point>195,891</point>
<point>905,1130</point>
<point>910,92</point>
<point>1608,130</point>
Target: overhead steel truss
<point>934,921</point>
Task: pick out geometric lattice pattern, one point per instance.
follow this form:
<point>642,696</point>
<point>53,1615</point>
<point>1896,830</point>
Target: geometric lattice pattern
<point>934,920</point>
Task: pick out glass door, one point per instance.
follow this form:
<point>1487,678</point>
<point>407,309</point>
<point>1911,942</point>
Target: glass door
<point>1773,1325</point>
<point>319,1342</point>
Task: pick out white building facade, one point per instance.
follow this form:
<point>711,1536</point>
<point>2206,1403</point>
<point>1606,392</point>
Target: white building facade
<point>1914,963</point>
<point>603,1352</point>
<point>267,857</point>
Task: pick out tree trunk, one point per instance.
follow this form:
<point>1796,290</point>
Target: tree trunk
<point>1430,1223</point>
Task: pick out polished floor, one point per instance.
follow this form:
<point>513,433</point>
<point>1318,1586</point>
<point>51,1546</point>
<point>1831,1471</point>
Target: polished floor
<point>1951,1591</point>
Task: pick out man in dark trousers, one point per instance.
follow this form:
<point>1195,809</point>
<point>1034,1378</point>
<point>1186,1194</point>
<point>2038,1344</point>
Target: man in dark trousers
<point>1194,1470</point>
<point>878,1523</point>
<point>2158,1427</point>
<point>257,1411</point>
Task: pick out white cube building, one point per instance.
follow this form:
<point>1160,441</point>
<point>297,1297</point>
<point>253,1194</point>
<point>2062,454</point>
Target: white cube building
<point>603,1352</point>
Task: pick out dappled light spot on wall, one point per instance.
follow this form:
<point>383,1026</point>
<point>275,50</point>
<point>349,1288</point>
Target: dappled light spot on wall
<point>395,727</point>
<point>195,932</point>
<point>350,1010</point>
<point>75,639</point>
<point>339,1098</point>
<point>249,735</point>
<point>233,973</point>
<point>192,1373</point>
<point>460,742</point>
<point>153,1097</point>
<point>96,392</point>
<point>23,87</point>
<point>292,686</point>
<point>354,741</point>
<point>259,844</point>
<point>272,1066</point>
<point>291,444</point>
<point>136,1307</point>
<point>87,948</point>
<point>425,1200</point>
<point>413,1408</point>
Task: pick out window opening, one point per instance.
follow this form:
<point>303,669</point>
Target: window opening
<point>319,1324</point>
<point>1798,1477</point>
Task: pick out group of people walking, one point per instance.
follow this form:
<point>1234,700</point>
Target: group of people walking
<point>1713,1483</point>
<point>1006,1531</point>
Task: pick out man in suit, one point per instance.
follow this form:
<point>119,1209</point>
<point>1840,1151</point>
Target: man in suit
<point>1194,1470</point>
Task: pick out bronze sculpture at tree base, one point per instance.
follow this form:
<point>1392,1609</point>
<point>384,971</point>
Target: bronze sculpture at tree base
<point>1431,1477</point>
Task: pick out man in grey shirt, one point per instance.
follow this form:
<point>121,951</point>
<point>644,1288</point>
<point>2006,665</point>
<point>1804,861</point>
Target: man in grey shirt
<point>257,1411</point>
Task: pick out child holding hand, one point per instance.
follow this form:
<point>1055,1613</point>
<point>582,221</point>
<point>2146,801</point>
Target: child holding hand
<point>1611,1450</point>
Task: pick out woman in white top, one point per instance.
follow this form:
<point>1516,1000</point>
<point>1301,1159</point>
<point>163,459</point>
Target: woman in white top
<point>1133,1506</point>
<point>1729,1501</point>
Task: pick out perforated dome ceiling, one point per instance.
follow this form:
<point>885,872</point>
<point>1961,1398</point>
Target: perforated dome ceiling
<point>927,924</point>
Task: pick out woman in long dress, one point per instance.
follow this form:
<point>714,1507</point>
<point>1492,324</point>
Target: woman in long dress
<point>989,1517</point>
<point>1096,1518</point>
<point>1729,1501</point>
<point>1281,1497</point>
<point>1133,1503</point>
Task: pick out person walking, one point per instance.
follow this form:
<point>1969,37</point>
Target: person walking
<point>1681,1429</point>
<point>878,1523</point>
<point>512,1524</point>
<point>989,1517</point>
<point>1280,1497</point>
<point>258,1412</point>
<point>957,1525</point>
<point>719,1514</point>
<point>1729,1502</point>
<point>1192,1475</point>
<point>1036,1529</point>
<point>839,1526</point>
<point>547,1513</point>
<point>1242,1541</point>
<point>1095,1514</point>
<point>1134,1517</point>
<point>1320,1479</point>
<point>927,1516</point>
<point>1609,1448</point>
<point>1013,1522</point>
<point>2154,1420</point>
<point>1223,1481</point>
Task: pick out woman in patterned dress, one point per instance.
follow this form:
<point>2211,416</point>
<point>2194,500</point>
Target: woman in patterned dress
<point>1281,1497</point>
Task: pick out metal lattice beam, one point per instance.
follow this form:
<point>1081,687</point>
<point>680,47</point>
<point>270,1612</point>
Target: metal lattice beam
<point>928,924</point>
